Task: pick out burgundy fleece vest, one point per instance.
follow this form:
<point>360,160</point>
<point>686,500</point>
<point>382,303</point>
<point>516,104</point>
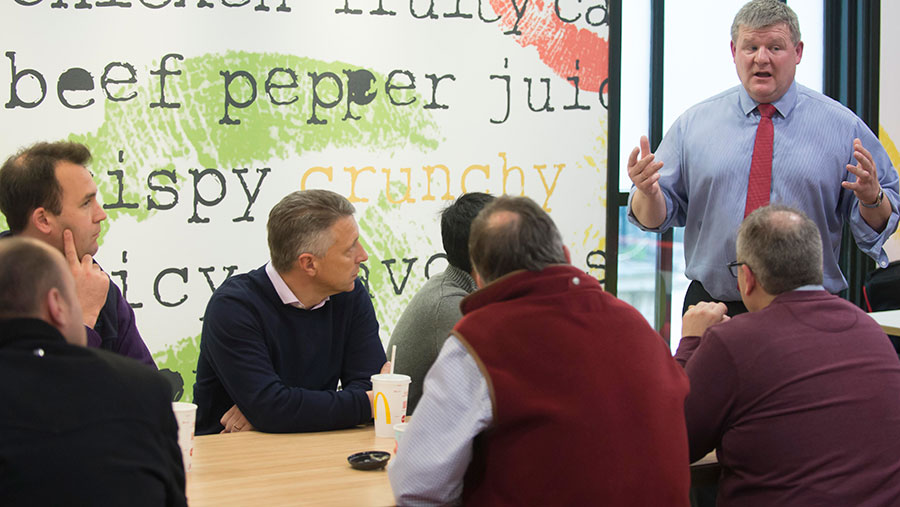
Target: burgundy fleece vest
<point>588,402</point>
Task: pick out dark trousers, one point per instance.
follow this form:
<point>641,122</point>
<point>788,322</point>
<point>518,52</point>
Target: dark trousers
<point>696,293</point>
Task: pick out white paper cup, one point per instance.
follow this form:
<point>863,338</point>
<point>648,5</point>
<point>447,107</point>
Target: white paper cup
<point>186,415</point>
<point>391,391</point>
<point>399,429</point>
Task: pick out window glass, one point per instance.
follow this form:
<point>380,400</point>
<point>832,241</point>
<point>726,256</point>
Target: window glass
<point>637,267</point>
<point>635,112</point>
<point>811,71</point>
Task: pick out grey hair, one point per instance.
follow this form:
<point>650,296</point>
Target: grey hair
<point>300,224</point>
<point>758,14</point>
<point>526,239</point>
<point>782,247</point>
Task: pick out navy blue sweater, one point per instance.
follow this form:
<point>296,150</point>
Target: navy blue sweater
<point>281,364</point>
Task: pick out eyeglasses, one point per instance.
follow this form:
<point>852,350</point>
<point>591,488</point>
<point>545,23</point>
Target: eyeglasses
<point>733,267</point>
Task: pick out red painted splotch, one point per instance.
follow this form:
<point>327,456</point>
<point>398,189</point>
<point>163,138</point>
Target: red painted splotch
<point>558,44</point>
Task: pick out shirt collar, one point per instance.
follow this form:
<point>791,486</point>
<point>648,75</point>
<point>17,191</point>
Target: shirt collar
<point>461,278</point>
<point>284,292</point>
<point>810,287</point>
<point>784,105</point>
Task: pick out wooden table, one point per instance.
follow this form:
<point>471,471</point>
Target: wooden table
<point>888,320</point>
<point>252,468</point>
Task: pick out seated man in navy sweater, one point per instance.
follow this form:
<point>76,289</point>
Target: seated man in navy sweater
<point>277,340</point>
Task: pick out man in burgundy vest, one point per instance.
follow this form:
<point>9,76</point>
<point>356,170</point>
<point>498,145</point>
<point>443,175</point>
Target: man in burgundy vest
<point>550,391</point>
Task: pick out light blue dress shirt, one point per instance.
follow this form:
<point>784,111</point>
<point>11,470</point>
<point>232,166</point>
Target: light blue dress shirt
<point>706,156</point>
<point>436,448</point>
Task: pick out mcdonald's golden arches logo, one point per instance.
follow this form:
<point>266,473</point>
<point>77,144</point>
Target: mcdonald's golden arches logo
<point>387,407</point>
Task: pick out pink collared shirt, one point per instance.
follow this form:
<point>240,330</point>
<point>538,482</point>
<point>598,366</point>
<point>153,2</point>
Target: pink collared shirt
<point>285,293</point>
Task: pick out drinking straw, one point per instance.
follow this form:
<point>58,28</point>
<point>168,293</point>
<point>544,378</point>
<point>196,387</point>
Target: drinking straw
<point>393,357</point>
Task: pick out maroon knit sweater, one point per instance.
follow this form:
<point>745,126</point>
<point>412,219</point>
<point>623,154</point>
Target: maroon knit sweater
<point>588,403</point>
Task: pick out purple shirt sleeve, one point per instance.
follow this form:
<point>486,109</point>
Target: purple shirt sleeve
<point>686,348</point>
<point>708,406</point>
<point>128,341</point>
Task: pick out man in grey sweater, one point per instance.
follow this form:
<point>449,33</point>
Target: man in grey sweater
<point>434,310</point>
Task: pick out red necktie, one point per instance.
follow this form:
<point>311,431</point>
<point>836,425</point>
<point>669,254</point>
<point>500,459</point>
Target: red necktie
<point>759,186</point>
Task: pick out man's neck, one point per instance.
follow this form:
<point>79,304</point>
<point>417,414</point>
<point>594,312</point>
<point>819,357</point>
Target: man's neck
<point>304,288</point>
<point>33,233</point>
<point>758,301</point>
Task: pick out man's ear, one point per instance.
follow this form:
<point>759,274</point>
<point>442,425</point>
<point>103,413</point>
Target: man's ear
<point>42,220</point>
<point>478,280</point>
<point>307,263</point>
<point>56,307</point>
<point>568,254</point>
<point>750,284</point>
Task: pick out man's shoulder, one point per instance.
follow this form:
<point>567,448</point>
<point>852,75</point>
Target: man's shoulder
<point>807,98</point>
<point>709,114</point>
<point>731,96</point>
<point>352,301</point>
<point>434,309</point>
<point>130,388</point>
<point>441,287</point>
<point>241,300</point>
<point>126,369</point>
<point>242,287</point>
<point>806,93</point>
<point>114,293</point>
<point>794,313</point>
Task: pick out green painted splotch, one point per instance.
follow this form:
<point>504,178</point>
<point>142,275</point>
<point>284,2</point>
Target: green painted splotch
<point>267,131</point>
<point>182,359</point>
<point>383,243</point>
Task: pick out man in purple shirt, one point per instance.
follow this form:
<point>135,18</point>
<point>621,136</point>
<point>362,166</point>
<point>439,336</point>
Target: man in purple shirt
<point>799,397</point>
<point>47,193</point>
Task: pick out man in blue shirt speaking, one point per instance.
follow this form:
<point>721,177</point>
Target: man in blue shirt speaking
<point>767,140</point>
<point>277,340</point>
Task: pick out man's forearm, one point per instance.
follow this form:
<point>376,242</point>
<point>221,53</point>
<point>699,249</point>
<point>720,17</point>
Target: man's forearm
<point>876,218</point>
<point>300,410</point>
<point>649,210</point>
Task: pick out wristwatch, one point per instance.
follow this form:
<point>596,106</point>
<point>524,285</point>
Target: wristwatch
<point>877,202</point>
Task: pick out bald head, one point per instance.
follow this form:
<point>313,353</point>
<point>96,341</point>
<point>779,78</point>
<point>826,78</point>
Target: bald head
<point>782,247</point>
<point>35,282</point>
<point>513,233</point>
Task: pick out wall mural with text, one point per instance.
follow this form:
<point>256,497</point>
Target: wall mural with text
<point>202,114</point>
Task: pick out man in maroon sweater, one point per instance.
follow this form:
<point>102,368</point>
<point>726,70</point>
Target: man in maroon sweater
<point>799,397</point>
<point>549,391</point>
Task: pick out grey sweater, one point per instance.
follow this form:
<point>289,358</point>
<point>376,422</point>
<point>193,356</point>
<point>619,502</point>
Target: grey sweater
<point>425,325</point>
